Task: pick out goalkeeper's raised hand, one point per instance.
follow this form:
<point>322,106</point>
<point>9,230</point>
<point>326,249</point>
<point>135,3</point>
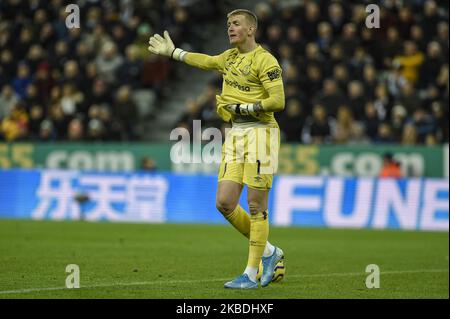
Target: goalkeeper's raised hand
<point>253,109</point>
<point>164,46</point>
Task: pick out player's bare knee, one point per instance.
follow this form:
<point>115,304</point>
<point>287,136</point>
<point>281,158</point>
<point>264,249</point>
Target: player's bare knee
<point>225,206</point>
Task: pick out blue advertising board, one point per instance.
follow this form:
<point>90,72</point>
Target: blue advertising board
<point>412,204</point>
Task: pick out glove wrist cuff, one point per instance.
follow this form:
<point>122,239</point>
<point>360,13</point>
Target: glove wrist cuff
<point>178,54</point>
<point>254,107</point>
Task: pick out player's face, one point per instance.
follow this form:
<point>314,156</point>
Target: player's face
<point>238,29</point>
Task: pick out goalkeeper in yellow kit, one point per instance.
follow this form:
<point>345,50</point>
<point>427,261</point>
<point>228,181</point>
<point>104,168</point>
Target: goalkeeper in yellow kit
<point>252,91</point>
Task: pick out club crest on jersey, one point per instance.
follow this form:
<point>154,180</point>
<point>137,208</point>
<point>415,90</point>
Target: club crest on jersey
<point>246,70</point>
<point>274,74</point>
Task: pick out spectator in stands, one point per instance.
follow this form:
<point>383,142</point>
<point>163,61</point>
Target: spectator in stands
<point>424,124</point>
<point>71,99</point>
<point>84,55</point>
<point>430,18</point>
<point>47,36</point>
<point>291,74</point>
<point>24,42</point>
<point>370,120</point>
<point>108,62</point>
<point>358,16</point>
<point>358,61</point>
<point>34,57</point>
<point>325,36</point>
<point>336,16</point>
<point>442,37</point>
<point>125,112</point>
<point>192,113</point>
<point>391,47</point>
<point>409,135</point>
<point>71,74</point>
<point>331,97</point>
<point>418,37</point>
<point>59,120</point>
<point>442,82</point>
<point>296,40</point>
<point>409,98</point>
<point>398,119</point>
<point>8,98</point>
<point>318,127</point>
<point>36,118</point>
<point>274,38</point>
<point>441,117</point>
<point>207,107</point>
<point>99,94</point>
<point>22,80</point>
<point>357,135</point>
<point>313,81</point>
<point>292,120</point>
<point>14,127</point>
<point>344,125</point>
<point>349,39</point>
<point>130,71</point>
<point>384,134</point>
<point>44,82</point>
<point>286,56</point>
<point>31,96</point>
<point>8,65</point>
<point>341,75</point>
<point>120,37</point>
<point>58,57</point>
<point>263,12</point>
<point>313,54</point>
<point>356,97</point>
<point>382,101</point>
<point>96,131</point>
<point>155,74</point>
<point>311,20</point>
<point>432,65</point>
<point>405,21</point>
<point>75,130</point>
<point>46,131</point>
<point>410,61</point>
<point>395,81</point>
<point>336,57</point>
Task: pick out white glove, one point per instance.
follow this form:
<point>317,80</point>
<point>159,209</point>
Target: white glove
<point>164,46</point>
<point>252,109</point>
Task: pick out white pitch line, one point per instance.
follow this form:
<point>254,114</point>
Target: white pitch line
<point>146,283</point>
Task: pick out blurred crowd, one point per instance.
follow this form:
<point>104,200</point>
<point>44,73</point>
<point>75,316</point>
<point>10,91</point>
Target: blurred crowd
<point>346,83</point>
<point>86,84</point>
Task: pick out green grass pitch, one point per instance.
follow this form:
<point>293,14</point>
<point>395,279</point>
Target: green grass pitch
<point>193,261</point>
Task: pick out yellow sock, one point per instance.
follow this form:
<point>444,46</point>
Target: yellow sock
<point>259,232</point>
<point>240,220</point>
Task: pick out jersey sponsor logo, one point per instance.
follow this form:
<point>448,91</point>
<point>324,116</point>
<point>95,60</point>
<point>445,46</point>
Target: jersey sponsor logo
<point>274,74</point>
<point>238,86</point>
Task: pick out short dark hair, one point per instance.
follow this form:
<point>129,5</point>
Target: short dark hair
<point>247,13</point>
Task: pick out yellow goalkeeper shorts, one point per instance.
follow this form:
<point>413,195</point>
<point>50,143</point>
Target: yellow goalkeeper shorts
<point>250,156</point>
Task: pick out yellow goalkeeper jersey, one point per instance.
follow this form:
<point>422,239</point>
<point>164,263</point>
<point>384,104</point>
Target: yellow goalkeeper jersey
<point>247,78</point>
